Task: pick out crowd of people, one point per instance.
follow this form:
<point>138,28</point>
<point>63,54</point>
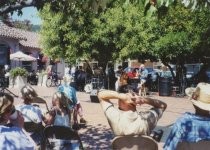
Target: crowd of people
<point>124,119</point>
<point>22,126</point>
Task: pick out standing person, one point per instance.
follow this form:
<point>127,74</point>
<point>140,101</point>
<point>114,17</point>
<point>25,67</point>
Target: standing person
<point>192,127</point>
<point>12,135</point>
<point>31,113</point>
<point>111,78</point>
<point>76,106</point>
<point>80,77</point>
<point>143,74</point>
<point>123,82</point>
<point>125,119</point>
<point>60,114</point>
<point>117,75</point>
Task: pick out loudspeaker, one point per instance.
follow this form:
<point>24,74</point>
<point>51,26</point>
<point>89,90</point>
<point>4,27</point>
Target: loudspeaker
<point>94,97</point>
<point>4,55</point>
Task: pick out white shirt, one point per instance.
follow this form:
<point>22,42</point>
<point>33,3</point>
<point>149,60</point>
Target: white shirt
<point>30,113</point>
<point>13,138</point>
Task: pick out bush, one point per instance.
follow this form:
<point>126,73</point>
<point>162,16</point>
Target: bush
<point>18,72</point>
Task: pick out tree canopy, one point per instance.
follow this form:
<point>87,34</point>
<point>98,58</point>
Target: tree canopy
<point>8,6</point>
<point>123,31</point>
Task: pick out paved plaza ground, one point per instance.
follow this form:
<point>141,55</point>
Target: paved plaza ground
<point>97,134</point>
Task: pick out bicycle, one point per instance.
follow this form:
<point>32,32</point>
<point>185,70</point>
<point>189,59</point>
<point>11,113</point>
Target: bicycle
<point>53,79</point>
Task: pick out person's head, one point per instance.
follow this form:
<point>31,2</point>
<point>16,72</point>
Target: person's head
<point>128,104</point>
<point>8,111</point>
<point>200,97</point>
<point>60,100</point>
<point>119,67</point>
<point>6,107</point>
<point>65,80</point>
<point>28,94</point>
<point>142,66</point>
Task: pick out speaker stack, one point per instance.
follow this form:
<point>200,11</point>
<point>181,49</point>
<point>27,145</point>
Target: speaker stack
<point>93,96</point>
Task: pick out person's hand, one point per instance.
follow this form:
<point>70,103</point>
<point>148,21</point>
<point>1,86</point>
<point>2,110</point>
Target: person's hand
<point>137,99</point>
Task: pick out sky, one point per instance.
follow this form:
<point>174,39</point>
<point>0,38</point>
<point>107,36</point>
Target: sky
<point>29,13</point>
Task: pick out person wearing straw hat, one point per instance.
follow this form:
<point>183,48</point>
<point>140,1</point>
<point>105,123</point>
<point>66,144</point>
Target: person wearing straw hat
<point>12,134</point>
<point>192,127</point>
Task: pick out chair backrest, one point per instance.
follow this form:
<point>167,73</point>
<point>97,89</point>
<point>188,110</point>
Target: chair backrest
<point>62,133</point>
<point>201,145</point>
<point>134,142</point>
<point>33,127</point>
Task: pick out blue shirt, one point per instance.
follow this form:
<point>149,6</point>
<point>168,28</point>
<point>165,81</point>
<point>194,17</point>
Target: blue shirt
<point>13,138</point>
<point>70,93</point>
<point>143,73</point>
<point>190,128</point>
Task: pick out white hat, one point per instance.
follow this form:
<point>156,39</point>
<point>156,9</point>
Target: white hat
<point>200,96</point>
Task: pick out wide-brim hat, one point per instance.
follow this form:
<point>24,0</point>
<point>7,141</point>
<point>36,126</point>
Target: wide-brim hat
<point>200,96</point>
<point>6,100</point>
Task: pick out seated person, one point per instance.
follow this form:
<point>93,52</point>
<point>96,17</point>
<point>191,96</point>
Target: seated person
<point>75,105</point>
<point>126,120</point>
<point>31,113</point>
<point>192,127</point>
<point>12,136</point>
<point>60,113</point>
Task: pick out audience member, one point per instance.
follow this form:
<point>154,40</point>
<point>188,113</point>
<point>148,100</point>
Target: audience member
<point>123,82</point>
<point>117,75</point>
<point>31,114</point>
<point>80,78</point>
<point>192,127</point>
<point>143,74</point>
<point>76,106</point>
<point>60,114</point>
<point>12,136</point>
<point>111,77</point>
<point>125,119</point>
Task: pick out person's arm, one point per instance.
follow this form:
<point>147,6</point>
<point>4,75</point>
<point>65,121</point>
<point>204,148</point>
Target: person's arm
<point>155,103</point>
<point>48,119</point>
<point>106,95</point>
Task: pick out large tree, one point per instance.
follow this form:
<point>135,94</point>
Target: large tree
<point>183,35</point>
<point>7,6</point>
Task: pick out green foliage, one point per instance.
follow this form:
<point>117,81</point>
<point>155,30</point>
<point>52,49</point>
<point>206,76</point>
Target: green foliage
<point>180,32</point>
<point>125,31</point>
<point>66,35</point>
<point>18,71</point>
<point>25,25</point>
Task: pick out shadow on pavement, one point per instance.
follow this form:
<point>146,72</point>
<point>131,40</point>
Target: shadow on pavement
<point>96,137</point>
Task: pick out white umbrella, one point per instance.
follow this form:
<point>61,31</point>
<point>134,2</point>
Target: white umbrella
<point>20,56</point>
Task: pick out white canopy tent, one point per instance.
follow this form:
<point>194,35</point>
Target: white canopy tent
<point>20,56</point>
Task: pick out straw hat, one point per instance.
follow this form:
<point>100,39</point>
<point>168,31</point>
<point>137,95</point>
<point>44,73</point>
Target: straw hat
<point>200,96</point>
<point>6,101</point>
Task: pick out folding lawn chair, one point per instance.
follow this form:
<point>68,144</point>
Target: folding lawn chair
<point>34,129</point>
<point>201,145</point>
<point>134,142</point>
<point>61,137</point>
